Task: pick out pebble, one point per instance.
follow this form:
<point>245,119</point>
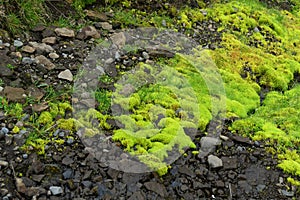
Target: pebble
<point>18,43</point>
<point>70,141</point>
<point>28,49</point>
<point>53,55</point>
<point>208,144</point>
<point>64,32</point>
<point>68,174</point>
<point>25,155</point>
<point>1,42</point>
<point>42,60</point>
<point>49,40</point>
<point>66,75</point>
<point>56,190</point>
<point>3,163</point>
<point>4,130</point>
<point>214,161</point>
<point>287,193</point>
<point>145,55</point>
<point>27,60</point>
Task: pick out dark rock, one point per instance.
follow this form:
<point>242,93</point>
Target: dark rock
<point>240,139</point>
<point>137,196</point>
<point>96,16</point>
<point>230,162</point>
<point>157,188</point>
<point>185,170</point>
<point>68,174</point>
<point>67,160</point>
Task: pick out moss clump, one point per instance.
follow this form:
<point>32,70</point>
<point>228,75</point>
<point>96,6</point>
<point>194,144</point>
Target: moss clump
<point>277,123</point>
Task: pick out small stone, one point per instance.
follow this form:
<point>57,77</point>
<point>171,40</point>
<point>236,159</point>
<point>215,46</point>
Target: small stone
<point>157,188</point>
<point>223,137</point>
<point>18,43</point>
<point>49,40</point>
<point>61,134</point>
<point>145,55</point>
<point>164,23</point>
<point>68,174</point>
<point>88,32</point>
<point>1,42</point>
<point>21,187</point>
<point>41,47</point>
<point>260,187</point>
<point>214,161</point>
<point>87,184</point>
<point>118,39</point>
<point>96,15</point>
<point>53,55</point>
<point>42,60</point>
<point>67,160</point>
<point>66,75</point>
<point>28,49</point>
<point>14,94</point>
<point>56,190</point>
<point>64,32</point>
<point>4,130</point>
<point>287,193</point>
<point>70,141</point>
<point>25,156</point>
<point>106,26</point>
<point>27,61</point>
<point>3,163</point>
<point>208,144</point>
<point>256,29</point>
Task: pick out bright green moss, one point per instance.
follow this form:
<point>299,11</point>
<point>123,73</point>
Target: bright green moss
<point>45,118</point>
<point>66,124</point>
<point>277,122</point>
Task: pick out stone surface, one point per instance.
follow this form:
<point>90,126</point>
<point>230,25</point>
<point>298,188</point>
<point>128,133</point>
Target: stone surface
<point>214,161</point>
<point>42,47</point>
<point>14,94</point>
<point>56,190</point>
<point>88,32</point>
<point>28,49</point>
<point>65,32</point>
<point>49,40</point>
<point>45,62</point>
<point>96,15</point>
<point>118,39</point>
<point>157,188</point>
<point>105,26</point>
<point>66,75</point>
<point>208,144</point>
<point>18,43</point>
<point>53,55</point>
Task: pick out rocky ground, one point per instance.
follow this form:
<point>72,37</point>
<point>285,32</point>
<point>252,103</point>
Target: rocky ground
<point>48,58</point>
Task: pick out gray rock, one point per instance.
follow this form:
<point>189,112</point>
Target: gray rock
<point>67,160</point>
<point>90,32</point>
<point>53,55</point>
<point>64,32</point>
<point>87,184</point>
<point>145,55</point>
<point>96,16</point>
<point>28,49</point>
<point>4,130</point>
<point>256,29</point>
<point>1,42</point>
<point>49,40</point>
<point>41,47</point>
<point>66,75</point>
<point>118,39</point>
<point>260,187</point>
<point>42,60</point>
<point>68,174</point>
<point>287,193</point>
<point>157,188</point>
<point>230,162</point>
<point>106,26</point>
<point>27,60</point>
<point>18,43</point>
<point>164,23</point>
<point>214,161</point>
<point>56,190</point>
<point>70,141</point>
<point>21,187</point>
<point>137,196</point>
<point>208,144</point>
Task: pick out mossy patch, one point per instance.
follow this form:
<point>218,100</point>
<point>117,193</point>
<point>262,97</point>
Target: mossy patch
<point>277,123</point>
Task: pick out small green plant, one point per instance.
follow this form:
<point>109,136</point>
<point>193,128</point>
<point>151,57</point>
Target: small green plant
<point>10,66</point>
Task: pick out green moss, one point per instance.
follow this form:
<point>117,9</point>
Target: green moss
<point>66,124</point>
<point>277,123</point>
<point>45,118</point>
